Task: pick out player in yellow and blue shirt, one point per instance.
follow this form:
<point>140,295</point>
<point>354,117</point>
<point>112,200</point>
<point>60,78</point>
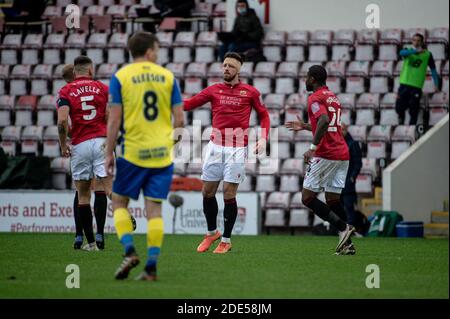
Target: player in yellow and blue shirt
<point>143,98</point>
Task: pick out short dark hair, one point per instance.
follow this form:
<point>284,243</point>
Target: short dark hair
<point>140,42</point>
<point>81,63</point>
<point>234,55</point>
<point>67,73</point>
<point>319,73</point>
<point>420,35</point>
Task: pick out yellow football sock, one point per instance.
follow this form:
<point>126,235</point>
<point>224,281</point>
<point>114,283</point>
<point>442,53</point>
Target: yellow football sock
<point>155,232</point>
<point>122,222</point>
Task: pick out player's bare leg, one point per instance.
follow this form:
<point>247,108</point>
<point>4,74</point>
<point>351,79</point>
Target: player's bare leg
<point>155,235</point>
<point>334,203</point>
<point>210,209</point>
<point>124,228</point>
<point>102,189</point>
<point>309,199</point>
<point>229,216</point>
<point>84,208</point>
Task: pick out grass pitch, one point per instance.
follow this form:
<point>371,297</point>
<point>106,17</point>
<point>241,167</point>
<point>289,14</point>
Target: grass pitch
<point>33,266</point>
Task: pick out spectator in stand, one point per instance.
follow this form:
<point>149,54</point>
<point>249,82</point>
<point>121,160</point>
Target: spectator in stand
<point>247,31</point>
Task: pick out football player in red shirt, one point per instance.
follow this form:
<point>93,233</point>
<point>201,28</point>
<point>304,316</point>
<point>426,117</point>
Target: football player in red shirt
<point>328,157</point>
<point>231,103</point>
<point>85,100</point>
<point>100,202</point>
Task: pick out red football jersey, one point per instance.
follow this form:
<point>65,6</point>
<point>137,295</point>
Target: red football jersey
<point>87,100</point>
<point>231,108</point>
<point>333,145</point>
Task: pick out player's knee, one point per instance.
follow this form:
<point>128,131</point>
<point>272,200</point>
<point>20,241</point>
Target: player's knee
<point>307,199</point>
<point>208,193</point>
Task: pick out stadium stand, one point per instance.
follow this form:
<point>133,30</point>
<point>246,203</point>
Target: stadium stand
<point>363,67</point>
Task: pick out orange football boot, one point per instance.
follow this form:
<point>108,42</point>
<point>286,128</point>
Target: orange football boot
<point>222,248</point>
<point>207,241</point>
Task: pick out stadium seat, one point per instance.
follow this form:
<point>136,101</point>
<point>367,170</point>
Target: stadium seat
<point>347,100</point>
<point>369,167</point>
<point>289,183</point>
<point>275,217</point>
<point>117,11</point>
<point>391,36</point>
<point>220,9</point>
<point>366,106</point>
<point>268,166</point>
<point>322,37</point>
<point>51,142</point>
<point>295,53</point>
<point>379,136</point>
<point>263,85</point>
<point>363,184</point>
<point>46,108</point>
<point>51,12</point>
<point>265,183</point>
<point>355,85</point>
<point>203,115</point>
<point>7,104</point>
<point>388,52</point>
<point>335,68</point>
<point>177,69</point>
<point>24,109</point>
<point>194,168</point>
<point>106,70</point>
<point>378,84</point>
<point>388,116</point>
<point>438,100</point>
<point>192,85</point>
<point>346,116</point>
<point>246,70</point>
<point>281,150</point>
<point>297,101</point>
<point>358,132</point>
<point>275,117</point>
<point>275,101</point>
<point>293,166</point>
<point>19,79</point>
<point>205,54</point>
<point>293,115</point>
<point>301,148</point>
<point>182,55</point>
<point>196,69</point>
<point>251,168</point>
<point>438,35</point>
<point>57,85</point>
<point>10,137</point>
<point>445,84</point>
<point>358,68</point>
<point>382,68</point>
<point>341,53</point>
<point>60,167</point>
<point>318,53</point>
<point>287,69</point>
<point>398,148</point>
<point>284,134</point>
<point>165,38</point>
<point>215,70</point>
<point>368,100</point>
<point>202,9</point>
<point>265,69</point>
<point>30,48</point>
<point>438,50</point>
<point>365,116</point>
<point>368,36</point>
<point>334,84</point>
<point>277,38</point>
<point>380,133</point>
<point>163,56</point>
<point>31,137</point>
<point>214,80</point>
<point>284,86</point>
<point>436,114</point>
<point>364,52</point>
<point>299,218</point>
<point>303,136</point>
<point>95,10</point>
<point>272,53</point>
<point>428,86</point>
<point>278,200</point>
<point>185,38</point>
<point>297,37</point>
<point>246,185</point>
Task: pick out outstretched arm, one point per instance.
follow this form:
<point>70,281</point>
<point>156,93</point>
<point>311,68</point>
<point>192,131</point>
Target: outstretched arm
<point>197,100</point>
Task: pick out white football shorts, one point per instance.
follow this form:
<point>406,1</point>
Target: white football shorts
<point>224,163</point>
<point>88,159</point>
<point>326,175</point>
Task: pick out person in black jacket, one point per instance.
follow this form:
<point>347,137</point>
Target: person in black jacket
<point>247,31</point>
<point>348,196</point>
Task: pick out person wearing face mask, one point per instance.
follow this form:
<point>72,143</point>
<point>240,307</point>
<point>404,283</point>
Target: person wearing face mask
<point>247,31</point>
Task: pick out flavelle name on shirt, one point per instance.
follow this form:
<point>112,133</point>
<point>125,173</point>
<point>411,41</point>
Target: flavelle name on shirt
<point>85,89</point>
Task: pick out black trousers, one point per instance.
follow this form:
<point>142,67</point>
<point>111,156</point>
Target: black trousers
<point>408,98</point>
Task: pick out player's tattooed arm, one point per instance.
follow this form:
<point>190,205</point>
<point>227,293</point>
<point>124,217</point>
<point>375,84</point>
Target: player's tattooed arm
<point>63,129</point>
